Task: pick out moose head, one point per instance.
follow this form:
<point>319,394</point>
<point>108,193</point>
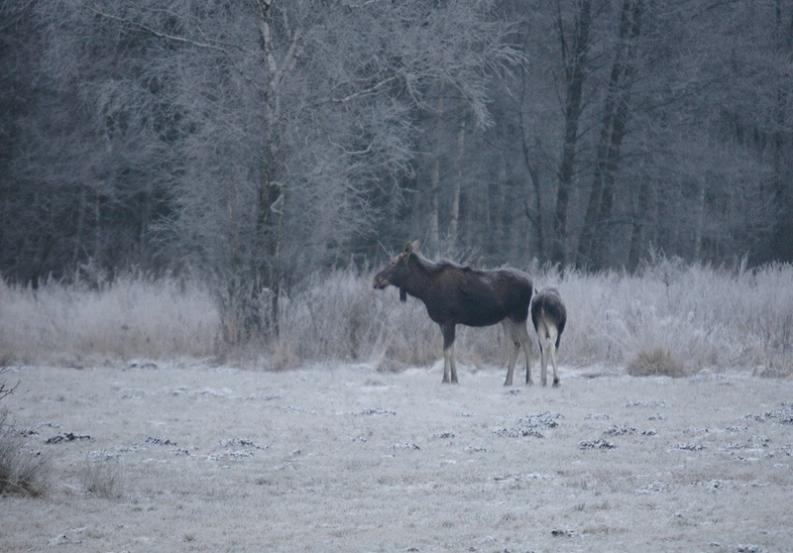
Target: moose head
<point>398,271</point>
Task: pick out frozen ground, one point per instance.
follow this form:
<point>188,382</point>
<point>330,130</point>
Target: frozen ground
<point>347,459</point>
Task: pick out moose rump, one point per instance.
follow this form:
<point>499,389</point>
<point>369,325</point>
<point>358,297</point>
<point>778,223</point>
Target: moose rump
<point>549,316</point>
<point>454,295</point>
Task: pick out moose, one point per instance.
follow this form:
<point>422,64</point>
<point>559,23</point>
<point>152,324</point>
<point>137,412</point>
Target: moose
<point>454,294</point>
<point>548,314</point>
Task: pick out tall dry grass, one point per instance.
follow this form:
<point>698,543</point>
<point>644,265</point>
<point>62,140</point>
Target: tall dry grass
<point>339,315</point>
<point>704,316</point>
<point>134,316</point>
<point>707,317</point>
<point>22,470</point>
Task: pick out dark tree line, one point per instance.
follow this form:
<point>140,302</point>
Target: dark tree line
<point>256,141</point>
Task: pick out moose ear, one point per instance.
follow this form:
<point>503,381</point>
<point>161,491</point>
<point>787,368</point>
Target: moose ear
<point>412,246</point>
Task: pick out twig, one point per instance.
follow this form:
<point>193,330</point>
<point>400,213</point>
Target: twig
<point>160,34</point>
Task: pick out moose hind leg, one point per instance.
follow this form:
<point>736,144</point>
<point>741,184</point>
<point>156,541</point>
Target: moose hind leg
<point>555,366</point>
<point>452,364</point>
<point>552,348</point>
<point>542,342</point>
<point>548,344</point>
<point>448,354</point>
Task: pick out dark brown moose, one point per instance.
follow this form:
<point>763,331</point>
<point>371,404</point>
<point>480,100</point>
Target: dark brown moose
<point>456,295</point>
<point>549,316</point>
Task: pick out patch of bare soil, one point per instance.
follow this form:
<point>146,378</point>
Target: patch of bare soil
<point>343,458</point>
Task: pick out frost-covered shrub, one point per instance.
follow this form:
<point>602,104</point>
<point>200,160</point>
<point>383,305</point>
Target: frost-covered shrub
<point>656,362</point>
<point>102,478</point>
<point>766,307</point>
<point>705,316</point>
<point>21,470</point>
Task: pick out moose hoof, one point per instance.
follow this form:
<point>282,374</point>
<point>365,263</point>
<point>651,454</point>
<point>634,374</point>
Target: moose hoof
<point>555,382</point>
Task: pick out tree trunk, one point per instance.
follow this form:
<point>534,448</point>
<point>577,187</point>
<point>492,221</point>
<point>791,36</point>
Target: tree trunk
<point>454,214</point>
<point>584,255</point>
<point>435,184</point>
<point>497,230</point>
<point>575,74</point>
<point>78,233</point>
<point>639,222</point>
<point>600,242</point>
<point>144,219</point>
<point>265,264</point>
<point>533,213</point>
<point>267,273</point>
<point>604,226</point>
<point>269,196</point>
<point>782,244</point>
<point>435,190</point>
<point>97,226</point>
<point>700,230</point>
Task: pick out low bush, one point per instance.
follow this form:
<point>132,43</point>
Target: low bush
<point>656,362</point>
<point>102,478</point>
<point>22,471</point>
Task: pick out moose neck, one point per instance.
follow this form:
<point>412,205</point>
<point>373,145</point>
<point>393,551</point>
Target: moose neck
<point>418,280</point>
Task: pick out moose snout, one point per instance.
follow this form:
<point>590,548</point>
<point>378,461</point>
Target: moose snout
<point>380,282</point>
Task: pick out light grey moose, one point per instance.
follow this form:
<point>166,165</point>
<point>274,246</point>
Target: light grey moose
<point>454,295</point>
<point>549,316</point>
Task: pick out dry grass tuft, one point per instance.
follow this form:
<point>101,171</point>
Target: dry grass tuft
<point>21,471</point>
<point>103,478</point>
<point>656,362</point>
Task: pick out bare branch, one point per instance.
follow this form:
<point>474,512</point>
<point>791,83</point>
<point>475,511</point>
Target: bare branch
<point>166,36</point>
<point>5,391</point>
<point>371,90</point>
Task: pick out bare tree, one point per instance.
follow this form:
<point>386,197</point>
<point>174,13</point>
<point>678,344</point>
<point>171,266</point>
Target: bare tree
<point>254,142</point>
<point>574,46</point>
<point>615,113</point>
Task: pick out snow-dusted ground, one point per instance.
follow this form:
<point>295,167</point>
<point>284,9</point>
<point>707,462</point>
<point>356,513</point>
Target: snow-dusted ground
<point>348,459</point>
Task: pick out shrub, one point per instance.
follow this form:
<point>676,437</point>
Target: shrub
<point>656,362</point>
<point>21,471</point>
<point>102,478</point>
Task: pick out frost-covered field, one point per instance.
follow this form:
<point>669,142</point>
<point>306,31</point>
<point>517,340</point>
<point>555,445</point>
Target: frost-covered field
<point>344,458</point>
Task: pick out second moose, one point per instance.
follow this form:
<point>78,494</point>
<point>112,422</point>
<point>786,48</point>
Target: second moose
<point>549,317</point>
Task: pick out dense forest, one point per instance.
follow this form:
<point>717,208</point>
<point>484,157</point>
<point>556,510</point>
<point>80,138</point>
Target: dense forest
<point>252,143</point>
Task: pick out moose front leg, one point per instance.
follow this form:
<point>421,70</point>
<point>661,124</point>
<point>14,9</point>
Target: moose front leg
<point>449,366</point>
<point>509,335</point>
